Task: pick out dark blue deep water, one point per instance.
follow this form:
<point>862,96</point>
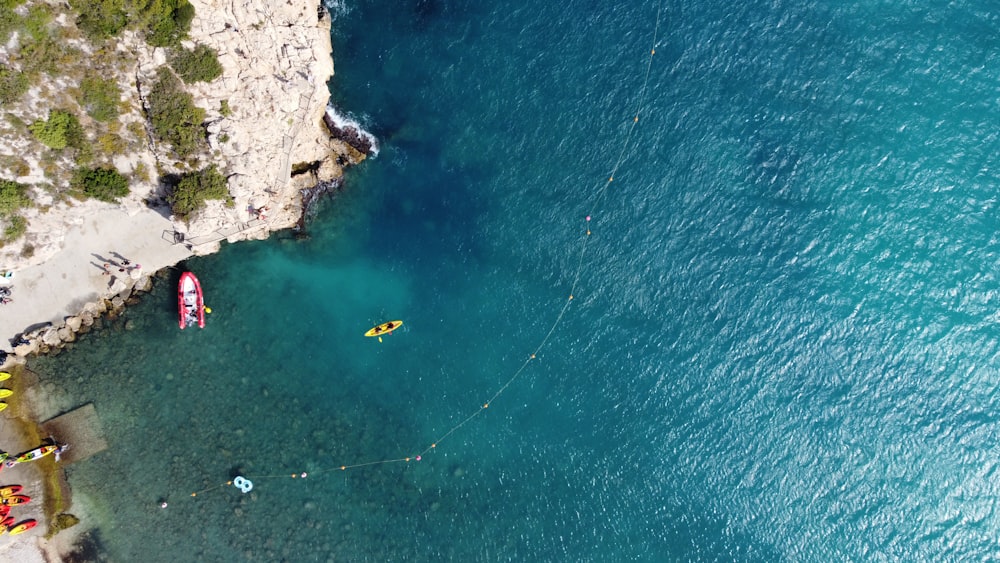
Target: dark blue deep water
<point>783,342</point>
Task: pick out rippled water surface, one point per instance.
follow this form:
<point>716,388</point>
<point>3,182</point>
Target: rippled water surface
<point>783,343</point>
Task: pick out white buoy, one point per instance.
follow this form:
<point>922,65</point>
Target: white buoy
<point>243,484</point>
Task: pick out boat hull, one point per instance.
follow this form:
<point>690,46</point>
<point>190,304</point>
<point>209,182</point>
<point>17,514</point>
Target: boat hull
<point>190,302</point>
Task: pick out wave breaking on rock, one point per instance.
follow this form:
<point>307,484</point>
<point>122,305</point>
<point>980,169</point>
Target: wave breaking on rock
<point>350,131</point>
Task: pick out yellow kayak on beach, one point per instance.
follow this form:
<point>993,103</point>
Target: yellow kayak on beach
<point>384,328</point>
<point>22,527</point>
<point>10,490</point>
<point>36,453</point>
<point>4,376</point>
<point>4,393</point>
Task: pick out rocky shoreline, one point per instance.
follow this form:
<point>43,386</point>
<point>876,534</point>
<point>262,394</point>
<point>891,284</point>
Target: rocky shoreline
<point>270,131</point>
<point>43,338</point>
<point>278,143</point>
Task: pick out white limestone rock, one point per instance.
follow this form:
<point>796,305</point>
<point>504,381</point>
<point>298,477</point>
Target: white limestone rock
<point>276,59</point>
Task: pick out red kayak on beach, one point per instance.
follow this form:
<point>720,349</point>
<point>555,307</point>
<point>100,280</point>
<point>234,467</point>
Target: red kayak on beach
<point>22,527</point>
<point>15,500</point>
<point>9,490</point>
<point>190,302</point>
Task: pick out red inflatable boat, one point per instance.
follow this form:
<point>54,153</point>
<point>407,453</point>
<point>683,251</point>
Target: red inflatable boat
<point>190,303</point>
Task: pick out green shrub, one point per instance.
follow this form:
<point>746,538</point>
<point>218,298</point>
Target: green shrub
<point>62,129</point>
<point>111,144</point>
<point>16,226</point>
<point>13,196</point>
<point>100,19</point>
<point>173,115</point>
<point>9,21</point>
<point>166,21</point>
<point>200,64</point>
<point>43,49</point>
<point>224,109</point>
<point>195,188</point>
<point>47,53</point>
<point>105,184</point>
<point>76,138</point>
<point>37,21</point>
<point>13,85</point>
<point>100,97</point>
<point>163,22</point>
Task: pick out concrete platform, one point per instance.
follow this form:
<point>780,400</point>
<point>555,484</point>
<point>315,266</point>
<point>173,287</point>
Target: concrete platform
<point>81,429</point>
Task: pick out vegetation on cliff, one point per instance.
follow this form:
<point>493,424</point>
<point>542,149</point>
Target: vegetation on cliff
<point>190,194</point>
<point>200,64</point>
<point>104,183</point>
<point>164,23</point>
<point>176,120</point>
<point>13,196</point>
<point>13,84</point>
<point>76,122</point>
<point>99,97</point>
<point>60,130</point>
<point>43,46</point>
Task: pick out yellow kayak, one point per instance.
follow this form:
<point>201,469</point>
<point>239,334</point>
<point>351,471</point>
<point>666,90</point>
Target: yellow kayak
<point>4,376</point>
<point>22,527</point>
<point>10,490</point>
<point>384,328</point>
<point>4,393</point>
<point>36,453</point>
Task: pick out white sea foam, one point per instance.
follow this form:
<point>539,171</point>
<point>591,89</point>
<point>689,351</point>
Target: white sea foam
<point>336,8</point>
<point>342,121</point>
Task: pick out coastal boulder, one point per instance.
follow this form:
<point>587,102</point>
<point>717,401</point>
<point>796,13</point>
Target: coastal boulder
<point>26,349</point>
<point>66,335</point>
<point>51,337</point>
<point>118,287</point>
<point>145,283</point>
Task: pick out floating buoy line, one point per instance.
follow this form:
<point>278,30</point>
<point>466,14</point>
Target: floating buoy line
<point>244,483</point>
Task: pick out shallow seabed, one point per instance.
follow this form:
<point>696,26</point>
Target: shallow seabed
<point>783,345</point>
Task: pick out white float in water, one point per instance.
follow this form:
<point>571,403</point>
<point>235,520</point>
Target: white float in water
<point>244,485</point>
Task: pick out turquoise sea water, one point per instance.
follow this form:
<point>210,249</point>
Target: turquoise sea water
<point>782,347</point>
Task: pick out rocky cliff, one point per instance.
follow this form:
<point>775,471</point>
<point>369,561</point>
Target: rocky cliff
<point>265,128</point>
<point>277,61</point>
